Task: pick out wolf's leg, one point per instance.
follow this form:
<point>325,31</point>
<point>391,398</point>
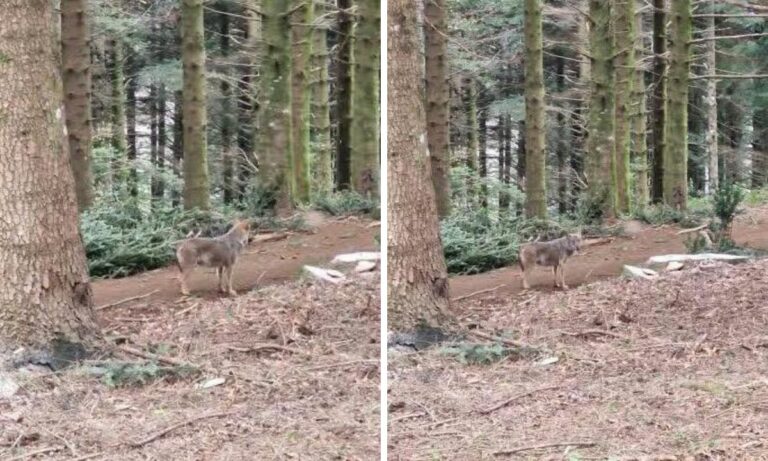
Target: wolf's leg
<point>526,285</point>
<point>220,274</point>
<point>556,271</point>
<point>562,277</point>
<point>184,278</point>
<point>229,270</point>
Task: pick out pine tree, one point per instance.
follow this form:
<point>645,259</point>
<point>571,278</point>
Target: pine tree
<point>535,155</point>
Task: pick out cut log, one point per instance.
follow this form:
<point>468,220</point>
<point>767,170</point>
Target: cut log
<point>674,266</point>
<point>359,256</point>
<point>664,259</point>
<point>328,275</point>
<point>640,272</point>
<point>693,229</point>
<point>365,266</point>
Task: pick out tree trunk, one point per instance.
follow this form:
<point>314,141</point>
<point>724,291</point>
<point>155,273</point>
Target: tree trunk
<point>364,164</point>
<point>196,192</point>
<point>639,127</point>
<point>658,97</point>
<point>276,145</point>
<point>482,146</point>
<point>46,304</point>
<point>152,104</point>
<point>177,148</point>
<point>760,149</point>
<point>507,154</point>
<point>601,165</point>
<point>118,142</point>
<point>676,122</point>
<point>501,133</point>
<point>438,98</point>
<point>321,118</point>
<point>562,146</point>
<point>247,104</point>
<point>417,279</point>
<point>130,122</point>
<point>473,142</point>
<point>624,39</point>
<point>302,52</point>
<point>161,142</point>
<point>710,101</point>
<point>535,129</point>
<point>344,94</point>
<point>227,116</point>
<point>76,71</point>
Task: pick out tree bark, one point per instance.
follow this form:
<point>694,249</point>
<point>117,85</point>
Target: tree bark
<point>601,165</point>
<point>482,151</point>
<point>46,300</point>
<point>276,142</point>
<point>161,143</point>
<point>196,189</point>
<point>76,71</point>
<point>344,94</point>
<point>639,127</point>
<point>130,122</point>
<point>710,100</point>
<point>364,139</point>
<point>302,52</point>
<point>177,148</point>
<point>321,117</point>
<point>227,116</point>
<point>676,122</point>
<point>658,98</point>
<point>417,277</point>
<point>247,105</point>
<point>118,141</point>
<point>624,40</point>
<point>152,105</point>
<point>535,129</point>
<point>438,98</point>
<point>563,142</point>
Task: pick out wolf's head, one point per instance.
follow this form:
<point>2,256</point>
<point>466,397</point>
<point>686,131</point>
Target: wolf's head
<point>574,241</point>
<point>241,229</point>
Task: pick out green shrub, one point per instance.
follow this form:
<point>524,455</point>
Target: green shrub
<point>472,243</point>
<point>726,201</point>
<point>120,374</point>
<point>347,203</point>
<point>479,354</point>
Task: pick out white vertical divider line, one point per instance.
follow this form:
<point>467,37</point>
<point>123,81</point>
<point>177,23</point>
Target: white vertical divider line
<point>383,233</point>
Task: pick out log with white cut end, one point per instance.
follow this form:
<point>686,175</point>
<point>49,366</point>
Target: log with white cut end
<point>664,259</point>
<point>365,266</point>
<point>328,275</point>
<point>674,266</point>
<point>640,272</point>
<point>359,256</point>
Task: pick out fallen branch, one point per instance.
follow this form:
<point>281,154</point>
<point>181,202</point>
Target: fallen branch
<point>475,293</point>
<point>159,358</point>
<point>512,399</point>
<point>123,301</point>
<point>546,445</point>
<point>36,452</point>
<point>261,347</point>
<point>593,242</point>
<point>663,259</point>
<point>586,333</point>
<point>693,229</point>
<point>506,342</point>
<point>184,311</point>
<point>161,433</point>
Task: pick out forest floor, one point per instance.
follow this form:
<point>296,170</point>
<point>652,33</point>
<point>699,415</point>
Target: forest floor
<point>299,360</point>
<point>667,369</point>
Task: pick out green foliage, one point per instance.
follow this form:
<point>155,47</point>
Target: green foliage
<point>479,354</point>
<point>122,374</point>
<point>696,244</point>
<point>657,215</point>
<point>346,203</point>
<point>473,243</point>
<point>756,197</point>
<point>726,201</point>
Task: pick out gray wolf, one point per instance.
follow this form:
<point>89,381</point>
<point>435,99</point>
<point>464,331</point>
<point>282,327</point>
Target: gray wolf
<point>553,254</point>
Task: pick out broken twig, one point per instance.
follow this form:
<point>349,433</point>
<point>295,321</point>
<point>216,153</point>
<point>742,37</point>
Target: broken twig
<point>123,301</point>
<point>475,293</point>
<point>518,396</point>
<point>545,445</point>
<point>168,429</point>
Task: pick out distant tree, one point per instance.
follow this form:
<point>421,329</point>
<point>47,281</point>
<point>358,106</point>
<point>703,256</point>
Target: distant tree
<point>300,94</point>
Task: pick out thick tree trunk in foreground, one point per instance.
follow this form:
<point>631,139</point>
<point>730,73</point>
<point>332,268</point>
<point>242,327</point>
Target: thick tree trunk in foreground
<point>45,297</point>
<point>196,193</point>
<point>364,140</point>
<point>76,70</point>
<point>438,99</point>
<point>302,52</point>
<point>417,277</point>
<point>535,155</point>
<point>322,169</point>
<point>276,129</point>
<point>601,168</point>
<point>658,98</point>
<point>676,122</point>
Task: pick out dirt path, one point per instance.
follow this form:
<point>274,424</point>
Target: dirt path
<point>261,264</point>
<point>605,261</point>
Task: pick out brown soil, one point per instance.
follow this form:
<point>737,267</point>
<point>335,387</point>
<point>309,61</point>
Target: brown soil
<point>669,369</point>
<point>600,262</point>
<point>300,361</point>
